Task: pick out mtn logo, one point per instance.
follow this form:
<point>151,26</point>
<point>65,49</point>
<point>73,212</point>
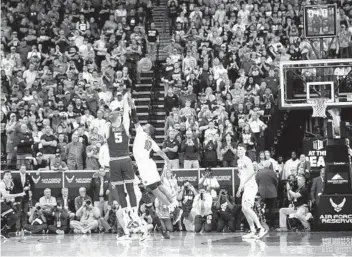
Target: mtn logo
<point>336,177</point>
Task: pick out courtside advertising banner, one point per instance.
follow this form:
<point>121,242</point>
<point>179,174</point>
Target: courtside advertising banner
<point>42,180</point>
<point>190,175</point>
<point>74,180</point>
<point>315,151</point>
<point>335,212</point>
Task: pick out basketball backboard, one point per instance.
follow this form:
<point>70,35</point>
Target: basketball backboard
<point>309,79</point>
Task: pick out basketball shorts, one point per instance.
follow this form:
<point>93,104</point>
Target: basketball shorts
<point>121,171</point>
<point>148,172</point>
<point>249,194</point>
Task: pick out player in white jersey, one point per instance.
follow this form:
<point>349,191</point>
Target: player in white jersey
<point>148,172</point>
<point>250,189</point>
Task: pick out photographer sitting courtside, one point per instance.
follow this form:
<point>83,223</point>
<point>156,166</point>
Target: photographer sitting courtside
<point>186,196</point>
<point>201,209</point>
<point>88,215</point>
<point>37,220</point>
<point>225,211</point>
<point>299,207</point>
<point>61,220</point>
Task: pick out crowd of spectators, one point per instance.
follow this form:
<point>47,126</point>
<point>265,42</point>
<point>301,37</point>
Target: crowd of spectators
<point>221,76</point>
<point>65,66</point>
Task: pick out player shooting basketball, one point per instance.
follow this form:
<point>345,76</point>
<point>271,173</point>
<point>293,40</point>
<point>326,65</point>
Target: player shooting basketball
<point>121,170</point>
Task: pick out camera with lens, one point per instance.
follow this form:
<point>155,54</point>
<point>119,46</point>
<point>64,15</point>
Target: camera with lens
<point>208,172</point>
<point>38,208</point>
<point>88,202</point>
<point>293,184</point>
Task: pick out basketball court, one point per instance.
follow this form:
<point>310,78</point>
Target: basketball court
<point>182,244</point>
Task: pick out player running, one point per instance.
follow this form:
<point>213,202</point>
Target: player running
<point>250,188</point>
<point>121,170</point>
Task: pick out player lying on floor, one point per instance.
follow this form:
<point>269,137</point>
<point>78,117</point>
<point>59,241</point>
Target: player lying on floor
<point>147,216</point>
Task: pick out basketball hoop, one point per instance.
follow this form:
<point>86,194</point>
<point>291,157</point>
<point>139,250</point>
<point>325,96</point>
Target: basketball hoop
<point>319,106</point>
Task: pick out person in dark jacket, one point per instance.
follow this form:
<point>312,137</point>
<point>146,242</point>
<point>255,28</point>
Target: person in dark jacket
<point>24,142</point>
<point>23,183</point>
<point>99,189</point>
<point>210,157</point>
<point>170,101</point>
<point>61,220</point>
<point>267,188</point>
<point>190,147</point>
<point>67,203</point>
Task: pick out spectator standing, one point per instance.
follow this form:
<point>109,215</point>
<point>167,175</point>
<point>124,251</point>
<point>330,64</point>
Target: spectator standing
<point>171,147</point>
<point>210,152</point>
<point>228,152</point>
<point>304,164</point>
<point>92,160</point>
<point>75,154</point>
<point>170,101</point>
<point>317,187</point>
<point>10,142</point>
<point>23,183</point>
<point>24,142</point>
<point>49,143</point>
<point>258,127</point>
<point>99,186</point>
<point>172,13</point>
<point>190,148</point>
<point>267,189</point>
<point>291,166</point>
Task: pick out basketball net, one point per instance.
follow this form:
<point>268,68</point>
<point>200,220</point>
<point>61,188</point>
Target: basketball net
<point>319,106</point>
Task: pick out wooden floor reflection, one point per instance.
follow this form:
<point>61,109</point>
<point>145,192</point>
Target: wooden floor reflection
<point>182,244</point>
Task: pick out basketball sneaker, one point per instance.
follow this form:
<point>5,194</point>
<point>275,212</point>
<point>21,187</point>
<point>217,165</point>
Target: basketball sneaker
<point>145,236</point>
<point>165,234</point>
<point>123,238</point>
<point>250,235</point>
<point>262,232</point>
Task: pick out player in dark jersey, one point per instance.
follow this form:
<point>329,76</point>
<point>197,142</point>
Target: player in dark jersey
<point>121,169</point>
